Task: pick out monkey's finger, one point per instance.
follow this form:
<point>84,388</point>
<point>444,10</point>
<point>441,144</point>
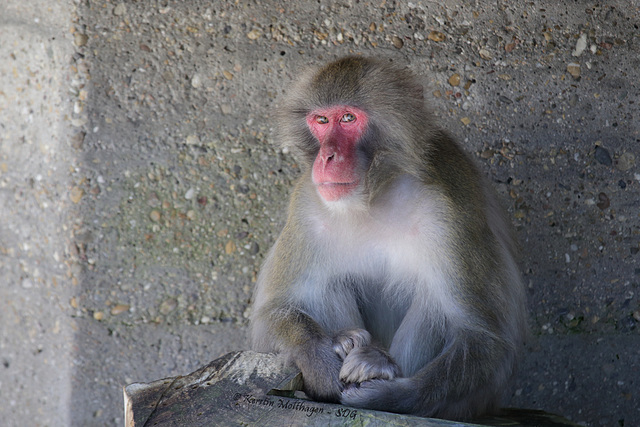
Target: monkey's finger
<point>367,363</point>
<point>345,341</point>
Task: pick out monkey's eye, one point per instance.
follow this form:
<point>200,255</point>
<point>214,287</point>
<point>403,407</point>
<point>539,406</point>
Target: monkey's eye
<point>348,117</point>
<point>322,120</point>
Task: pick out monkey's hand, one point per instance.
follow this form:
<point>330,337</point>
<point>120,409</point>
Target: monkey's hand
<point>347,340</point>
<point>368,363</point>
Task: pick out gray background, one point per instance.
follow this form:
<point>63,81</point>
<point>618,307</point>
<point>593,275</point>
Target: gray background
<point>140,185</point>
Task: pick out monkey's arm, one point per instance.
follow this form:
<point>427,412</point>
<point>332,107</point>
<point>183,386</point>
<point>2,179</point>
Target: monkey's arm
<point>468,371</point>
<point>292,313</point>
<point>327,362</point>
<point>459,345</point>
<point>464,377</point>
<point>302,340</point>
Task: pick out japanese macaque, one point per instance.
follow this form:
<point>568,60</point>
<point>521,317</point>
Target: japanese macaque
<point>393,285</point>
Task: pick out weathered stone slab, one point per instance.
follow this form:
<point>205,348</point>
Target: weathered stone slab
<point>249,388</point>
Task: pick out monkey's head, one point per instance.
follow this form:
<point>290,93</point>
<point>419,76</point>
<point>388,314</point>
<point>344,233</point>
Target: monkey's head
<point>352,121</point>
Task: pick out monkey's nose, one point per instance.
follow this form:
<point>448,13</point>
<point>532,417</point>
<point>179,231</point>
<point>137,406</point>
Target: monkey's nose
<point>328,158</point>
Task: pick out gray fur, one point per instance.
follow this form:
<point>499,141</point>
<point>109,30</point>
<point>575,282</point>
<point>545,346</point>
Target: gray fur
<point>405,297</point>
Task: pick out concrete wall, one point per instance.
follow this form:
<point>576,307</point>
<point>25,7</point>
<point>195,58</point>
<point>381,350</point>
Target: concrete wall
<point>141,186</point>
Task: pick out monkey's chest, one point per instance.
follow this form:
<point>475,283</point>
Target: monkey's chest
<point>404,237</point>
<point>386,253</point>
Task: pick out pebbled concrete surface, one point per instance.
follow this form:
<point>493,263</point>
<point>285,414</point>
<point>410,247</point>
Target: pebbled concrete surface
<point>140,184</point>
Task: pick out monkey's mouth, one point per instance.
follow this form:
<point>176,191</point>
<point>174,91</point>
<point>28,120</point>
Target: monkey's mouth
<point>333,191</point>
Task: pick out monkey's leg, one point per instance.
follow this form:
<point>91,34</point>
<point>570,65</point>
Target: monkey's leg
<point>464,380</point>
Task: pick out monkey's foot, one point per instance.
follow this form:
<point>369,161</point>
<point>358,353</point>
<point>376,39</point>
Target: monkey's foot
<point>383,395</point>
<point>367,363</point>
<point>347,340</point>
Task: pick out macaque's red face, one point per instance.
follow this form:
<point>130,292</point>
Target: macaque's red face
<point>338,130</point>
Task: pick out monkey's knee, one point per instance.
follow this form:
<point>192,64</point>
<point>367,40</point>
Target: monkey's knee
<point>347,340</point>
<point>367,363</point>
